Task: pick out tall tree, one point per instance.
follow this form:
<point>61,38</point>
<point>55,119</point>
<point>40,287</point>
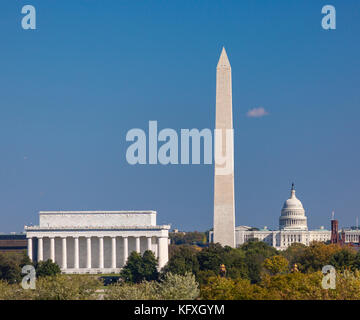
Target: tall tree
<point>183,259</point>
<point>47,268</point>
<point>276,265</point>
<point>344,259</point>
<point>139,268</point>
<point>317,255</point>
<point>9,268</point>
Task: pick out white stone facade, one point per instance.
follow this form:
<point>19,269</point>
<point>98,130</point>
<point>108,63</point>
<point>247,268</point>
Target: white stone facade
<point>281,239</point>
<point>352,236</point>
<point>96,241</point>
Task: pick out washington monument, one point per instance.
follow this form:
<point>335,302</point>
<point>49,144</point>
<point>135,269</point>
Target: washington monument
<point>224,204</point>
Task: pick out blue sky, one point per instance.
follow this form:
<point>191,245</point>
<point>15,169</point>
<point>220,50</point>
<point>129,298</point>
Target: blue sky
<point>92,70</point>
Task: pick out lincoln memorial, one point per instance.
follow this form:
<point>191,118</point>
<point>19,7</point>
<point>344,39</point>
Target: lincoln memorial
<point>96,241</point>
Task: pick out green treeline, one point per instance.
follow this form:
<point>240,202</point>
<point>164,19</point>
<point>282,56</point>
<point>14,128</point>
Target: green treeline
<point>253,271</point>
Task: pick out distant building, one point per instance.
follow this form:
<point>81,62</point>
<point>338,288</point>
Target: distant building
<point>96,241</point>
<point>13,242</point>
<point>334,232</point>
<point>350,237</point>
<point>292,228</point>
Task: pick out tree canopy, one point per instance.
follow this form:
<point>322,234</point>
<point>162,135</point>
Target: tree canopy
<point>199,238</point>
<point>11,264</point>
<point>47,268</point>
<point>139,268</point>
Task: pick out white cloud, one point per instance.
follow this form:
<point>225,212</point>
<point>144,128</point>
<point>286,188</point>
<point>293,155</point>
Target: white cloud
<point>257,112</point>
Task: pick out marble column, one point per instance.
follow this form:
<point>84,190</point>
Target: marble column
<point>52,249</point>
<point>40,249</point>
<point>30,249</point>
<point>64,254</point>
<point>113,252</point>
<point>101,252</point>
<point>88,253</point>
<point>126,249</point>
<point>137,242</point>
<point>76,253</point>
<point>163,251</point>
<point>274,239</point>
<point>148,243</point>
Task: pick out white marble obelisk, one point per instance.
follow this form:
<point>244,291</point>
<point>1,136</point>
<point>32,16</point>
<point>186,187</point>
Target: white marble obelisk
<point>224,204</point>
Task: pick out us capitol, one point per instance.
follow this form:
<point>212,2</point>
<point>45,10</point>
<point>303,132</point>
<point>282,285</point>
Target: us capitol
<point>292,228</point>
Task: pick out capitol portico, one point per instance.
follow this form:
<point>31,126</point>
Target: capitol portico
<point>96,241</point>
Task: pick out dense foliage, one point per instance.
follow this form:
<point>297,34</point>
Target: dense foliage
<point>253,271</point>
<point>245,262</point>
<point>251,260</point>
<point>47,268</point>
<point>276,265</point>
<point>199,238</point>
<point>182,260</point>
<point>172,287</point>
<point>58,287</point>
<point>139,268</point>
<point>11,264</point>
<point>292,286</point>
<point>317,255</point>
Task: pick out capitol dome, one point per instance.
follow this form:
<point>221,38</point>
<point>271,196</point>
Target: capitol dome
<point>293,214</point>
